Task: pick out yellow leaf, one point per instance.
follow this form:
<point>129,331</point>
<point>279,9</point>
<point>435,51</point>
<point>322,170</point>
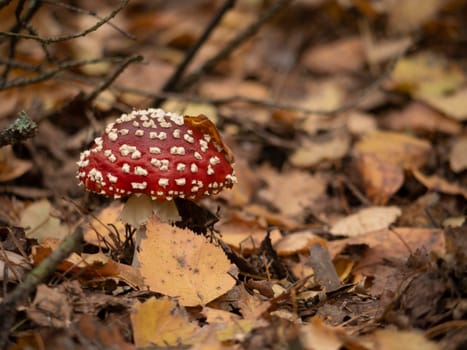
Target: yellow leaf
<point>160,322</point>
<point>40,224</point>
<point>426,75</point>
<point>178,263</point>
<point>366,220</point>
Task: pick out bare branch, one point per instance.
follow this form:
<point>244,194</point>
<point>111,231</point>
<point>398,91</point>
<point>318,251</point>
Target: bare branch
<point>171,83</point>
<point>84,32</point>
<point>244,35</point>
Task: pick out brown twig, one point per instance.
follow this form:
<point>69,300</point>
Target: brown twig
<point>45,75</point>
<point>32,280</point>
<point>233,44</point>
<point>110,79</point>
<point>171,83</point>
<point>47,41</point>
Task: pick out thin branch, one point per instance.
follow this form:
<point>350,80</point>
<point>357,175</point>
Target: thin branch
<point>244,35</point>
<point>84,32</point>
<point>107,82</point>
<point>45,75</point>
<point>22,128</point>
<point>172,82</point>
<point>90,13</point>
<point>37,275</point>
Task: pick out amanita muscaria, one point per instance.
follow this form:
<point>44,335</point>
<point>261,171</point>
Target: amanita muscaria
<point>152,157</point>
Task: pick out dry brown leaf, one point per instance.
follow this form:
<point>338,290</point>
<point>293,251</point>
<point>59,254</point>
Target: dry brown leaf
<point>366,220</point>
<point>426,74</point>
<point>181,264</point>
<point>292,192</point>
<point>310,153</point>
<point>232,87</point>
<point>245,234</point>
<point>380,51</point>
<point>251,305</point>
<point>453,105</point>
<point>317,335</point>
<point>298,242</point>
<point>271,218</point>
<point>99,228</point>
<point>10,166</point>
<point>90,267</point>
<point>359,123</point>
<point>396,148</point>
<point>419,117</point>
<point>381,179</point>
<point>389,245</point>
<point>436,183</point>
<point>160,322</point>
<point>50,308</point>
<point>40,223</point>
<point>392,244</point>
<point>344,55</point>
<point>218,316</point>
<point>13,266</point>
<point>409,15</point>
<point>390,339</point>
<point>247,185</point>
<point>458,155</point>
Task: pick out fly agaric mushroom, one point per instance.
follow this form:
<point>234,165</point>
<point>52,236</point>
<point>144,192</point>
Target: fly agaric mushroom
<point>152,157</point>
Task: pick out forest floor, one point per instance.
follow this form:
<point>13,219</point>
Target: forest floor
<point>346,229</point>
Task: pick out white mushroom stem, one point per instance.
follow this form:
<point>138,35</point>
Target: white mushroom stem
<point>137,211</point>
<point>139,208</point>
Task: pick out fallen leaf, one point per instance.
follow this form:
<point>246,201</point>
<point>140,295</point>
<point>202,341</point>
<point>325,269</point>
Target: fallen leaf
<point>382,156</point>
<point>105,223</point>
<point>218,316</point>
<point>426,74</point>
<point>160,322</point>
<point>40,224</point>
<point>390,339</point>
<point>10,166</point>
<point>310,153</point>
<point>419,117</point>
<point>13,266</point>
<point>50,308</point>
<point>457,156</point>
<point>181,264</point>
<point>453,104</point>
<point>298,242</point>
<point>291,192</point>
<point>396,148</point>
<point>381,179</point>
<point>243,234</point>
<point>327,58</point>
<point>436,183</point>
<point>408,15</point>
<point>366,220</point>
<point>318,335</point>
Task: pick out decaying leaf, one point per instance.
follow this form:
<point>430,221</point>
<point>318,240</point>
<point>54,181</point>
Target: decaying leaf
<point>161,322</point>
<point>381,179</point>
<point>292,192</point>
<point>382,156</point>
<point>100,228</point>
<point>10,166</point>
<point>426,74</point>
<point>452,104</point>
<point>366,220</point>
<point>310,153</point>
<point>298,242</point>
<point>181,264</point>
<point>40,223</point>
<point>388,339</point>
<point>436,183</point>
<point>458,155</point>
<point>50,308</point>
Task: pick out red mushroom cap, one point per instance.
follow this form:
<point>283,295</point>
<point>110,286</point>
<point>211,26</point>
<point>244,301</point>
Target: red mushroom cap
<point>163,155</point>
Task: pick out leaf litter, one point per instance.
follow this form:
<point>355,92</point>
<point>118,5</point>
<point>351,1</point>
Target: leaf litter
<point>346,229</point>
